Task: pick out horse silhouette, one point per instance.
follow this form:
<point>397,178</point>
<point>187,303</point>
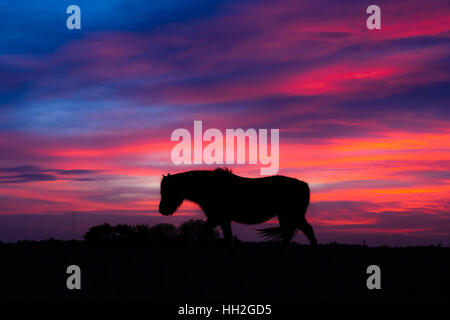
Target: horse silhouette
<point>225,197</point>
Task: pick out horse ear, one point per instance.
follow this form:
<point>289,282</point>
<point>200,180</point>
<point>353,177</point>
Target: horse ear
<point>168,174</point>
<point>164,176</point>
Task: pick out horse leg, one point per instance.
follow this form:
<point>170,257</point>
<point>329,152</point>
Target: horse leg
<point>227,233</point>
<point>208,226</point>
<point>309,233</point>
<point>287,231</point>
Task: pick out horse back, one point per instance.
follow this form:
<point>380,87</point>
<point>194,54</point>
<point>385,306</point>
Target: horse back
<point>255,200</point>
<point>269,191</point>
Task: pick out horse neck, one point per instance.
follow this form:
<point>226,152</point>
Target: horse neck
<point>192,185</point>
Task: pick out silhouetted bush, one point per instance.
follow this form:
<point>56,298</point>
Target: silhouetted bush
<point>160,234</point>
<point>163,230</point>
<point>192,230</point>
<point>100,233</point>
<point>139,234</point>
<point>124,232</point>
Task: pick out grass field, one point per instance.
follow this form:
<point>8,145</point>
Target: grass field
<point>192,271</point>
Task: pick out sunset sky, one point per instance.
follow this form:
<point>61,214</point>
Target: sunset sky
<point>86,115</point>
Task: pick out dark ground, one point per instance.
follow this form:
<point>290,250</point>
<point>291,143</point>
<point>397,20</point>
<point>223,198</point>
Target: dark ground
<point>196,273</point>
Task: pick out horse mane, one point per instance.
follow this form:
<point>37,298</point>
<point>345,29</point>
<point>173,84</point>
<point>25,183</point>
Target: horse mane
<point>224,171</point>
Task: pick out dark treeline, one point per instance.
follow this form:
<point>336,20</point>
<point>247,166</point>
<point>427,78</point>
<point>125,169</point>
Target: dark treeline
<point>139,235</point>
<point>146,235</point>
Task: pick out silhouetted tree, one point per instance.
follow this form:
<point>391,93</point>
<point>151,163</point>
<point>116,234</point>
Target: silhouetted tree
<point>163,230</point>
<point>193,230</point>
<point>143,234</point>
<point>100,233</point>
<point>124,232</point>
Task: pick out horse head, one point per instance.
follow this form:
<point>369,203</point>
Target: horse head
<point>171,198</point>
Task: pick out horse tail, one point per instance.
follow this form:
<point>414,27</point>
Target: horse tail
<point>271,234</point>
